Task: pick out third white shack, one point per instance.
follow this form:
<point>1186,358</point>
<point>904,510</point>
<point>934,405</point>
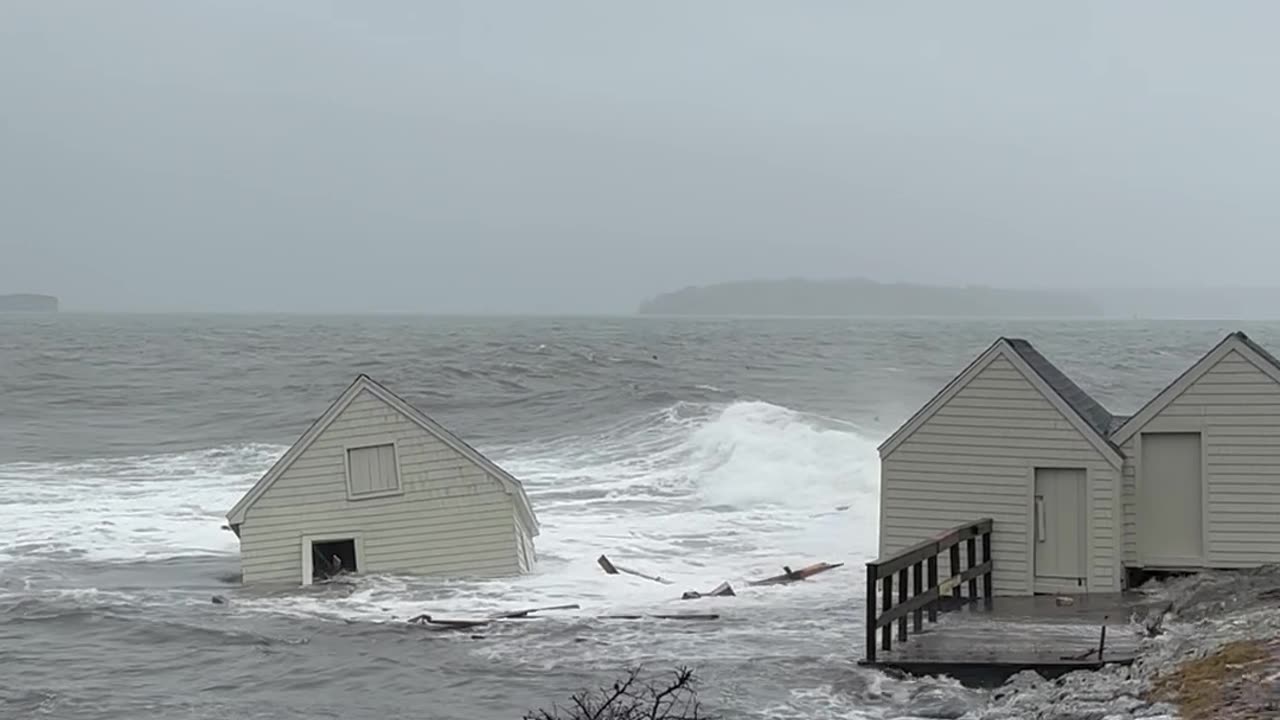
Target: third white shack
<point>375,486</point>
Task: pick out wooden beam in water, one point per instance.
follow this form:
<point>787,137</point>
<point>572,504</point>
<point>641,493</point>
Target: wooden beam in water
<point>676,616</point>
<point>724,589</point>
<point>519,614</point>
<point>459,624</point>
<point>790,575</point>
<point>434,623</point>
<point>612,569</point>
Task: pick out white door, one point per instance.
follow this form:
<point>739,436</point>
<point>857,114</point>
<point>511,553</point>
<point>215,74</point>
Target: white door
<point>1171,501</point>
<point>1060,529</point>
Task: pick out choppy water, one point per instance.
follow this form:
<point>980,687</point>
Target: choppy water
<point>703,450</point>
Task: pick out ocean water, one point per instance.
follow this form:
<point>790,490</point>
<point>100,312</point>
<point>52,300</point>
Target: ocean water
<point>701,450</point>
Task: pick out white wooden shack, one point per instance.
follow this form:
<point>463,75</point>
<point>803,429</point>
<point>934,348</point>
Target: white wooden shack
<point>376,486</point>
<point>1084,500</point>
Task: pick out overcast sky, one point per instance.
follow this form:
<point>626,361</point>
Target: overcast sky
<point>327,155</point>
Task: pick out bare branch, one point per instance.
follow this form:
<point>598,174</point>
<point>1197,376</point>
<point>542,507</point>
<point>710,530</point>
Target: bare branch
<point>632,698</point>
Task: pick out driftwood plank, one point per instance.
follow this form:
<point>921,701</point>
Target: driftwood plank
<point>724,589</point>
<point>790,575</point>
<point>613,569</point>
<point>515,614</point>
<point>447,624</point>
<point>426,619</point>
<point>678,616</point>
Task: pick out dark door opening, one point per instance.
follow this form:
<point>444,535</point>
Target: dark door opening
<point>332,558</point>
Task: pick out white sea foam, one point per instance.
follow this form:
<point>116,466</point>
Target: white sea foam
<point>696,493</point>
<point>127,508</point>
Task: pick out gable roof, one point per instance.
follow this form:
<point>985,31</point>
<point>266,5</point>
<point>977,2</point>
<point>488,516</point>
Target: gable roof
<point>1234,342</point>
<point>1087,415</point>
<point>364,383</point>
<point>1089,410</point>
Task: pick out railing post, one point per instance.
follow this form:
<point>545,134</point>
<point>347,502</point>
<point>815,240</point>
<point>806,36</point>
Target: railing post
<point>917,589</point>
<point>933,582</point>
<point>955,570</point>
<point>971,545</point>
<point>886,588</point>
<point>902,598</point>
<point>987,581</point>
<point>870,648</point>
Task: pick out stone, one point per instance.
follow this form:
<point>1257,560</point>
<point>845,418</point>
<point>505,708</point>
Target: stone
<point>944,702</point>
<point>1127,704</point>
<point>1023,680</point>
<point>1080,711</point>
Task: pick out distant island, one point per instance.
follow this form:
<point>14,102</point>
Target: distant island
<point>26,302</point>
<point>860,297</point>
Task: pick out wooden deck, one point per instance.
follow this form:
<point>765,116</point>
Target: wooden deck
<point>983,643</point>
<point>975,636</point>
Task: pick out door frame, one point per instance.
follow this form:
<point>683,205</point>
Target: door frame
<point>1160,426</point>
<point>308,541</point>
<point>1031,519</point>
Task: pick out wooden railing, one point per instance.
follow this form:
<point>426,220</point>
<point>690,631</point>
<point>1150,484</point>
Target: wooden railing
<point>919,563</point>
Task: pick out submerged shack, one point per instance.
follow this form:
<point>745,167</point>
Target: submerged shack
<point>376,486</point>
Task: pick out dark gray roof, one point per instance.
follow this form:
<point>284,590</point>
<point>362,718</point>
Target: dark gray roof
<point>1089,410</point>
<point>1257,348</point>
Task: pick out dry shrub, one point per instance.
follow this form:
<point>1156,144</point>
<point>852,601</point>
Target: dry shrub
<point>1201,688</point>
<point>633,698</point>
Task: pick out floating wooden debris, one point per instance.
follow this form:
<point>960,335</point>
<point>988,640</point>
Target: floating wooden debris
<point>676,616</point>
<point>466,623</point>
<point>435,623</point>
<point>446,624</point>
<point>612,569</point>
<point>724,589</point>
<point>520,614</point>
<point>790,575</point>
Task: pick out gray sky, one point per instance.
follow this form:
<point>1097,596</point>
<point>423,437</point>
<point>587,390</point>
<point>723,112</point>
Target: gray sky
<point>321,155</point>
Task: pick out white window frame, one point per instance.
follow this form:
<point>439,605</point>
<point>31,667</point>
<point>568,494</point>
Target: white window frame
<point>309,541</point>
<point>395,456</point>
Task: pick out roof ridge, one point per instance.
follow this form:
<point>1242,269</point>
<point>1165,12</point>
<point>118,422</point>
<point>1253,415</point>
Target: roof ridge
<point>1254,346</point>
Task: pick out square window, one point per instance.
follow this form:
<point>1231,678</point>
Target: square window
<point>372,471</point>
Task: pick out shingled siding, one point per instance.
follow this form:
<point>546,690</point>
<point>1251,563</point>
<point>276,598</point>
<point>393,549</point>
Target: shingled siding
<point>1237,407</point>
<point>452,517</point>
<point>975,457</point>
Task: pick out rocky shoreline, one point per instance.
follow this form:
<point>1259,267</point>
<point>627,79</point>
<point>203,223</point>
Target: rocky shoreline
<point>1213,655</point>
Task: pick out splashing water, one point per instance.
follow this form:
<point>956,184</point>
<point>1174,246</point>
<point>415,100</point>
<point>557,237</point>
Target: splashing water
<point>695,492</point>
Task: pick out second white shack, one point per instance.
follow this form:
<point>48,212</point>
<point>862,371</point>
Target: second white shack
<point>376,486</point>
<point>1083,500</point>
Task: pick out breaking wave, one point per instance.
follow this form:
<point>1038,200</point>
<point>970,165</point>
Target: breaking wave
<point>695,489</point>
